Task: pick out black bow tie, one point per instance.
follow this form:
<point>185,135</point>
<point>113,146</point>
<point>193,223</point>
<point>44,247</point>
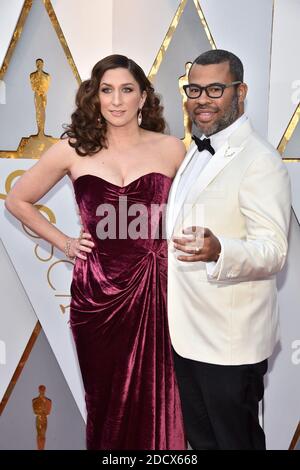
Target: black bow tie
<point>203,144</point>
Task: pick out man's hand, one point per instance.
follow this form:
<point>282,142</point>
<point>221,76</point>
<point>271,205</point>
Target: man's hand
<point>205,247</point>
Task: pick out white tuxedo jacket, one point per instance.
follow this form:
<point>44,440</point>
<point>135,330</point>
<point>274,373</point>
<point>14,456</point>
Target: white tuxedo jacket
<point>231,318</point>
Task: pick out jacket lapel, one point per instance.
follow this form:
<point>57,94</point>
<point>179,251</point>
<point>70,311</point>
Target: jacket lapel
<point>220,160</point>
<point>171,200</point>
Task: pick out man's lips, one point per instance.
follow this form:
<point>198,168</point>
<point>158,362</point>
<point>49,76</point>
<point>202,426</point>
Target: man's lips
<point>204,114</point>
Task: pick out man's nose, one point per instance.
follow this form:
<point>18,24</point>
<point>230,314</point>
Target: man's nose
<point>203,98</point>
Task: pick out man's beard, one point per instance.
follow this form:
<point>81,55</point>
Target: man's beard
<point>226,120</point>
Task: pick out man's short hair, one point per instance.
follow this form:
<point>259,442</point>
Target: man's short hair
<point>218,56</point>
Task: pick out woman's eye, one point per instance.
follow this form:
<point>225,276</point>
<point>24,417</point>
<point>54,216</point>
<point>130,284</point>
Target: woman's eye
<point>105,90</point>
<point>127,89</point>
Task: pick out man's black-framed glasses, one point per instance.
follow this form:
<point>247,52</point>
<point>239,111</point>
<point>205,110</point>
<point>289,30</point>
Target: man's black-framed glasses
<point>213,90</point>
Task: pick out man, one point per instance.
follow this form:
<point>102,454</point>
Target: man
<point>223,311</point>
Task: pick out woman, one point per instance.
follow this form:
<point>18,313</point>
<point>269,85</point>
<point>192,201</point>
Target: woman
<point>121,166</point>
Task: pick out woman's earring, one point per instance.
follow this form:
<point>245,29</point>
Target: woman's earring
<point>140,117</point>
<point>100,120</point>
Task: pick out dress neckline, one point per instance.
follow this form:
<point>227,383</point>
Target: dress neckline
<point>126,185</point>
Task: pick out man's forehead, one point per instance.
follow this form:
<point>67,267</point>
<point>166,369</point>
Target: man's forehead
<point>211,72</point>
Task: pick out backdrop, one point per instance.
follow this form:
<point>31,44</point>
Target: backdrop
<point>70,36</point>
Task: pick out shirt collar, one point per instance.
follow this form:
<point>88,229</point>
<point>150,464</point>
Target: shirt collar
<point>218,139</point>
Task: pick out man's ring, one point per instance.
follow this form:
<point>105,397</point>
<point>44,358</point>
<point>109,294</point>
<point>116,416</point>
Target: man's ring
<point>197,250</point>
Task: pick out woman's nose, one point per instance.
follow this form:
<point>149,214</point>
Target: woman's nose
<point>116,98</point>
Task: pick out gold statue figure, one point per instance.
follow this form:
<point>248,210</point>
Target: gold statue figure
<point>183,80</point>
<point>42,408</point>
<point>40,82</point>
<point>34,145</point>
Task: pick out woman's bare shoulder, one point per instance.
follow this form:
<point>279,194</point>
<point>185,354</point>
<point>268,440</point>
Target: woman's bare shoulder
<point>61,153</point>
<point>169,141</point>
<point>174,142</point>
<point>62,146</point>
<point>172,148</point>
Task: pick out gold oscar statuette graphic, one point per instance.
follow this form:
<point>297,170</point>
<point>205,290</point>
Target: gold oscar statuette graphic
<point>34,145</point>
<point>42,408</point>
<point>40,82</point>
<point>183,80</point>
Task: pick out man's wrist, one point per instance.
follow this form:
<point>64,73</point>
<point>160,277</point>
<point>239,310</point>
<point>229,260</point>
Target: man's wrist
<point>219,249</point>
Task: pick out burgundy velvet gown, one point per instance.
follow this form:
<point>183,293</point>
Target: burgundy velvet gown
<point>119,321</point>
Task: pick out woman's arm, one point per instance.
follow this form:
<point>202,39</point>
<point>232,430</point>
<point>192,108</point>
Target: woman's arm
<point>179,152</point>
<point>54,164</point>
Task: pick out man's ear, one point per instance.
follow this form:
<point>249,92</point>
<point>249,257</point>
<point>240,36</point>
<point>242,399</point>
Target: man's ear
<point>242,92</point>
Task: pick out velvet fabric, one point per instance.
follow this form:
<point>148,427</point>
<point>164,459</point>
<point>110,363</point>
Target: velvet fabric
<point>119,321</point>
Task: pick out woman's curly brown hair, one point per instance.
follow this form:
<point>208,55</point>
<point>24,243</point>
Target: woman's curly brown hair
<point>87,133</point>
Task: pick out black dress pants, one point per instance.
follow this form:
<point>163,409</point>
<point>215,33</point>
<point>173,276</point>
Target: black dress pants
<point>220,404</point>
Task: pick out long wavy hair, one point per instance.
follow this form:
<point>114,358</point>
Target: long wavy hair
<point>87,131</point>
